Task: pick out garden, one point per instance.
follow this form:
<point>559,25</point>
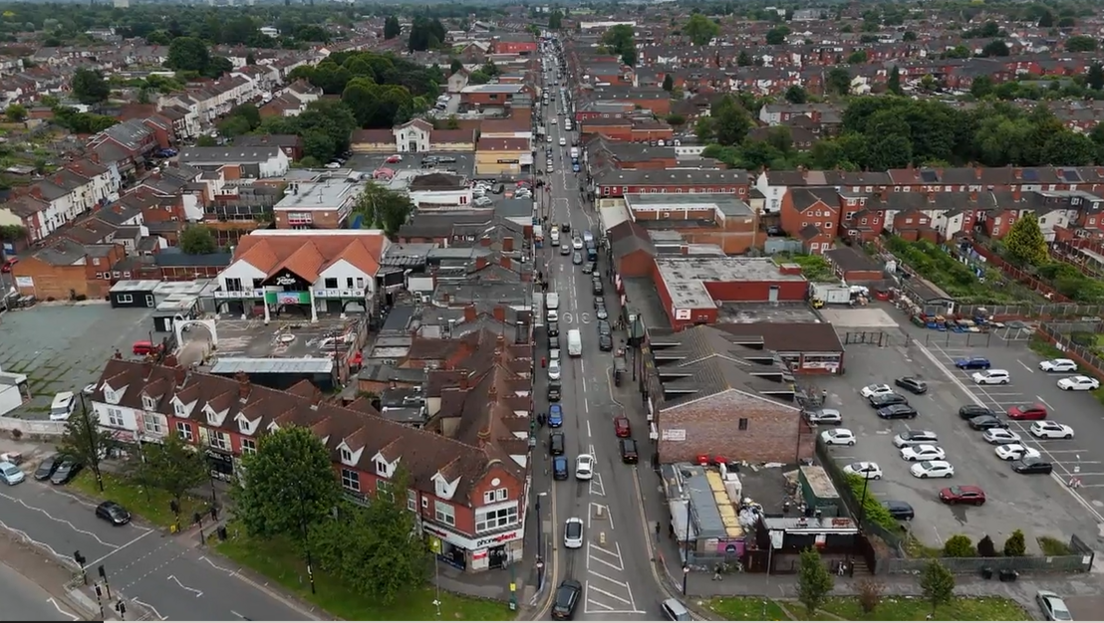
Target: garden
<point>813,267</point>
<point>958,280</point>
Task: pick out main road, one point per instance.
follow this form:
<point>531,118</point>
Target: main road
<point>613,565</point>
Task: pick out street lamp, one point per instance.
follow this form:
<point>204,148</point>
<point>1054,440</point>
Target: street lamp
<point>540,542</point>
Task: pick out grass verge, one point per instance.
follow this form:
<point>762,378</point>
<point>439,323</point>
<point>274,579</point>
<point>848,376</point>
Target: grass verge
<point>916,609</point>
<point>748,609</point>
<point>1053,547</point>
<point>915,549</point>
<point>149,504</point>
<point>279,562</point>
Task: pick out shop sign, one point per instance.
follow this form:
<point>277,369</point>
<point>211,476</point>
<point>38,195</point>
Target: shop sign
<point>507,161</point>
<point>682,314</point>
<point>286,280</point>
<point>474,544</point>
<point>336,294</point>
<point>240,294</point>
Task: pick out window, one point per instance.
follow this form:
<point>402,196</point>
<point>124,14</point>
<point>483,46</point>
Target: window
<point>863,221</point>
<point>346,456</point>
<point>114,417</point>
<point>232,284</point>
<point>425,502</point>
<point>179,410</point>
<point>184,430</point>
<point>151,422</point>
<point>497,519</point>
<point>348,282</point>
<point>220,440</point>
<point>444,513</point>
<point>149,404</point>
<point>411,500</point>
<point>350,480</point>
<point>330,283</point>
<point>360,283</point>
<point>849,215</point>
<point>125,298</point>
<point>248,446</point>
<point>488,497</point>
<point>381,468</point>
<point>385,489</point>
<point>502,494</point>
<point>743,424</point>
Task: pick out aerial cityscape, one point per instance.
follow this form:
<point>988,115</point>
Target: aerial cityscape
<point>527,311</point>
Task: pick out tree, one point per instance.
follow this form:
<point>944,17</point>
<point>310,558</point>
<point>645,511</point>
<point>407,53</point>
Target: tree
<point>796,94</point>
<point>85,442</point>
<point>908,36</point>
<point>982,86</point>
<point>383,208</point>
<point>197,240</point>
<point>743,59</point>
<point>1095,78</point>
<point>731,122</point>
<point>870,595</point>
<point>1081,43</point>
<point>1025,244</point>
<point>777,35</point>
<point>289,486</point>
<point>838,81</point>
<point>668,82</point>
<point>188,54</point>
<point>996,47</point>
<point>455,65</point>
<point>1015,545</point>
<point>391,27</point>
<point>555,20</point>
<point>675,119</point>
<point>621,41</point>
<point>205,140</point>
<point>172,466</point>
<point>425,34</point>
<point>959,546</point>
<point>893,83</point>
<point>89,87</point>
<point>858,57</point>
<point>700,29</point>
<point>985,547</point>
<point>813,582</point>
<point>15,113</point>
<point>937,584</point>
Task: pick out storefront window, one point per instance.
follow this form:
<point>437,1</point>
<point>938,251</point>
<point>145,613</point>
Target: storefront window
<point>485,521</point>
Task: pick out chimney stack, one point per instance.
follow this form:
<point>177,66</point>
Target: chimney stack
<point>464,380</point>
<point>316,398</point>
<point>484,436</point>
<point>117,354</point>
<point>500,313</point>
<point>244,386</point>
<point>147,368</point>
<point>181,377</point>
<point>480,263</point>
<point>492,394</point>
<point>508,244</point>
<point>470,313</point>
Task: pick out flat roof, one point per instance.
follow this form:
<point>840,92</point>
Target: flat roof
<point>135,285</point>
<point>290,337</point>
<point>727,204</point>
<point>318,195</point>
<point>263,365</point>
<point>685,277</point>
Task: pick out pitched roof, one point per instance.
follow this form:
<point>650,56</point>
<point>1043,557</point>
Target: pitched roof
<point>309,254</point>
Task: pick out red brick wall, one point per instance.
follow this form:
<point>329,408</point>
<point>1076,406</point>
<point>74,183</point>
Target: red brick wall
<point>712,428</point>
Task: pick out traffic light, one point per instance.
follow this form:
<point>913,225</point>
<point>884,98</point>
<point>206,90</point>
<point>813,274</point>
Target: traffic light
<point>120,607</point>
<point>98,589</point>
<point>100,570</point>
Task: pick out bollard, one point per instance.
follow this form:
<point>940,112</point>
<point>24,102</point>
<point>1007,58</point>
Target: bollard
<point>601,538</point>
<point>598,510</point>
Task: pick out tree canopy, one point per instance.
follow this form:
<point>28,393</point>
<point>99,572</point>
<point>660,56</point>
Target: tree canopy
<point>383,208</point>
<point>325,126</point>
<point>173,466</point>
<point>86,442</point>
<point>621,40</point>
<point>700,29</point>
<point>197,240</point>
<point>89,86</point>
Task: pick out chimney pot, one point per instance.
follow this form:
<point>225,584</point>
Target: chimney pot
<point>492,394</point>
<point>244,386</point>
<point>470,313</point>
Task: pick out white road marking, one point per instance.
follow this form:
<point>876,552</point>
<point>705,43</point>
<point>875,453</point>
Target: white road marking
<point>240,616</point>
<point>27,538</point>
<point>62,521</point>
<point>1026,367</point>
<point>607,593</point>
<point>604,562</point>
<point>124,546</point>
<point>59,609</point>
<point>72,497</point>
<point>588,428</point>
<point>616,554</point>
<point>601,605</point>
<point>586,403</point>
<point>1045,403</point>
<point>152,609</point>
<point>198,593</point>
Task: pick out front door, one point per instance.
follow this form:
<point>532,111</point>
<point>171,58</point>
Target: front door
<point>497,558</point>
<point>412,147</point>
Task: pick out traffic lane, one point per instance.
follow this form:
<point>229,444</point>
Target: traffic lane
<point>23,600</point>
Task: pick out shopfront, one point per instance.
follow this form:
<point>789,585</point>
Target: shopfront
<point>221,464</point>
<point>494,551</point>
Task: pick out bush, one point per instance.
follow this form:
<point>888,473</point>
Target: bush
<point>986,548</point>
<point>873,511</point>
<point>870,595</point>
<point>959,546</point>
<point>1015,545</point>
<point>16,434</point>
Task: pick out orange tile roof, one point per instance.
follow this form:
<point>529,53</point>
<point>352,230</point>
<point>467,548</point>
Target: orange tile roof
<point>310,254</point>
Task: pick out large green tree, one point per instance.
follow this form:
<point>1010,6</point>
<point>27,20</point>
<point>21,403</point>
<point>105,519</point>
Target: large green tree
<point>383,208</point>
<point>89,86</point>
<point>814,582</point>
<point>188,54</point>
<point>621,40</point>
<point>700,29</point>
<point>85,441</point>
<point>937,584</point>
<point>555,20</point>
<point>1025,244</point>
<point>391,27</point>
<point>197,240</point>
<point>172,466</point>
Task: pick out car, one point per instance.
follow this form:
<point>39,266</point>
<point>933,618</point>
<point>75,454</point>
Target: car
<point>446,159</point>
<point>972,363</point>
<point>1058,365</point>
<point>577,258</point>
<point>864,469</point>
<point>596,287</point>
<point>554,391</point>
<point>48,466</point>
<point>924,452</point>
<point>628,451</point>
<point>962,494</point>
<point>915,438</point>
<point>113,513</point>
<point>1054,609</point>
<point>897,412</point>
<point>584,467</point>
<point>555,416</point>
<point>986,422</point>
<point>603,327</point>
<point>554,354</point>
<point>817,417</point>
<point>600,312</point>
<point>1027,412</point>
<point>577,244</point>
<point>588,268</point>
<point>992,377</point>
<point>334,165</point>
<point>605,343</point>
<point>563,142</point>
<point>550,170</point>
<point>877,388</point>
<point>11,474</point>
<point>565,227</point>
<point>901,511</point>
<point>573,533</point>
<point>1015,452</point>
<point>1000,436</point>
<point>622,427</point>
<point>567,597</point>
<point>838,437</point>
<point>674,610</point>
<point>553,328</point>
<point>1079,383</point>
<point>1032,466</point>
<point>912,384</point>
<point>66,471</point>
<point>62,406</point>
<point>393,159</point>
<point>967,412</point>
<point>884,400</point>
<point>9,264</point>
<point>554,370</point>
<point>559,467</point>
<point>557,443</point>
<point>554,342</point>
<point>1049,429</point>
<point>482,202</point>
<point>932,469</point>
<point>565,249</point>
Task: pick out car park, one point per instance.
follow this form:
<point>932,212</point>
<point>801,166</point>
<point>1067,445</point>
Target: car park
<point>818,417</point>
<point>1049,429</point>
<point>1078,383</point>
<point>901,511</point>
<point>113,513</point>
<point>628,450</point>
<point>1027,412</point>
<point>838,437</point>
<point>923,453</point>
<point>962,494</point>
<point>932,469</point>
<point>915,438</point>
<point>985,422</point>
<point>992,377</point>
<point>972,363</point>
<point>573,533</point>
<point>584,467</point>
<point>566,599</point>
<point>1058,365</point>
<point>864,469</point>
<point>1015,452</point>
<point>884,400</point>
<point>897,412</point>
<point>873,390</point>
<point>1000,436</point>
<point>912,384</point>
<point>1054,609</point>
<point>1032,466</point>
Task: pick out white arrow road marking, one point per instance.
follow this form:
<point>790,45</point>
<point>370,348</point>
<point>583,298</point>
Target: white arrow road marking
<point>152,609</point>
<point>59,609</point>
<point>198,593</point>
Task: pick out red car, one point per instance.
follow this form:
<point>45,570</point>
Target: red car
<point>393,159</point>
<point>7,267</point>
<point>621,426</point>
<point>962,494</point>
<point>1028,412</point>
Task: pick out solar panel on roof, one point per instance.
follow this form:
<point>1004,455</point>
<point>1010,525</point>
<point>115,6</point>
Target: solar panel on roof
<point>1072,175</point>
<point>929,177</point>
<point>1030,175</point>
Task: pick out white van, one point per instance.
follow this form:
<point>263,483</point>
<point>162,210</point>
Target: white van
<point>552,300</point>
<point>574,152</point>
<point>62,406</point>
<point>554,234</point>
<point>574,343</point>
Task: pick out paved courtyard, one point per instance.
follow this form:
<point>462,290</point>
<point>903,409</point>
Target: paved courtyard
<point>63,347</point>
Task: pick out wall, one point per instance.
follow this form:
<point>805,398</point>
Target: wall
<point>711,426</point>
<point>756,291</point>
<point>44,428</point>
<point>51,281</point>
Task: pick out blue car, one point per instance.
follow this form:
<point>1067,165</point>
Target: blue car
<point>559,468</point>
<point>972,363</point>
<point>555,416</point>
<point>575,168</point>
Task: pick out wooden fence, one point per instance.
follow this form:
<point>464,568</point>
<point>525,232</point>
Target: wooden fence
<point>1022,277</point>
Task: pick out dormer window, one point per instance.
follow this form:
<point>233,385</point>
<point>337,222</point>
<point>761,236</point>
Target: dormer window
<point>346,456</point>
<point>382,468</point>
<point>149,404</point>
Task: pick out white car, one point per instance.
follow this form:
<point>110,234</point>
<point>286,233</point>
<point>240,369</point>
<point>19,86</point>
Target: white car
<point>554,355</point>
<point>577,244</point>
<point>992,377</point>
<point>932,469</point>
<point>1047,429</point>
<point>333,165</point>
<point>554,370</point>
<point>864,469</point>
<point>838,437</point>
<point>999,436</point>
<point>923,453</point>
<point>1078,383</point>
<point>1058,365</point>
<point>1015,452</point>
<point>915,438</point>
<point>563,142</point>
<point>573,533</point>
<point>550,170</point>
<point>875,390</point>
<point>482,202</point>
<point>584,467</point>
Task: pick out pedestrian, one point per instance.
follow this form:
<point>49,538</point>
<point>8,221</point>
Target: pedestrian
<point>657,529</point>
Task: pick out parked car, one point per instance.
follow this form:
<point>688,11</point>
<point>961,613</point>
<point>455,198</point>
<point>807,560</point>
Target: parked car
<point>1000,436</point>
<point>972,363</point>
<point>65,472</point>
<point>555,416</point>
<point>1015,452</point>
<point>48,466</point>
<point>992,377</point>
<point>113,512</point>
<point>1058,365</point>
<point>968,412</point>
<point>817,417</point>
<point>901,511</point>
<point>838,437</point>
<point>559,467</point>
<point>915,438</point>
<point>1078,383</point>
<point>932,469</point>
<point>912,384</point>
<point>621,426</point>
<point>11,474</point>
<point>897,412</point>
<point>962,494</point>
<point>1054,609</point>
<point>985,422</point>
<point>1027,412</point>
<point>1048,429</point>
<point>877,388</point>
<point>884,400</point>
<point>864,469</point>
<point>628,451</point>
<point>1032,466</point>
<point>925,452</point>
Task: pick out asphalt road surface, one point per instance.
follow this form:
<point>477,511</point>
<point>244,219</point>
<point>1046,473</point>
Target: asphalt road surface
<point>613,565</point>
<point>23,600</point>
<point>162,573</point>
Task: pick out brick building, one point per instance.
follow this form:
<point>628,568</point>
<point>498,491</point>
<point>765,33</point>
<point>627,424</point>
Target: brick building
<point>720,219</point>
<point>67,270</point>
<point>692,288</point>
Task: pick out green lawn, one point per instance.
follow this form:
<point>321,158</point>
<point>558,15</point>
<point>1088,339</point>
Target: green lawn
<point>748,609</point>
<point>891,609</point>
<point>279,562</point>
<point>153,507</point>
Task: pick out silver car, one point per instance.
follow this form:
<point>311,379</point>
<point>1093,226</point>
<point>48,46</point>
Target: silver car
<point>817,417</point>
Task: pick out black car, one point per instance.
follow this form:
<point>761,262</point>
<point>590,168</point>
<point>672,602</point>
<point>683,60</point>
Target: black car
<point>113,512</point>
<point>605,343</point>
<point>901,511</point>
<point>628,451</point>
<point>553,341</point>
<point>554,328</point>
<point>65,472</point>
<point>598,288</point>
<point>556,444</point>
<point>588,268</point>
<point>567,597</point>
<point>603,327</point>
<point>912,384</point>
<point>554,391</point>
<point>48,466</point>
<point>897,412</point>
<point>969,412</point>
<point>884,400</point>
<point>1032,466</point>
<point>985,422</point>
<point>564,227</point>
<point>599,302</point>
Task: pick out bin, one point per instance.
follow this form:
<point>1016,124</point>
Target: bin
<point>1009,575</point>
<point>987,573</point>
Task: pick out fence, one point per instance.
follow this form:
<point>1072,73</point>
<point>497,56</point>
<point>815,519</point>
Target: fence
<point>1015,273</point>
<point>1060,336</point>
<point>1080,561</point>
<point>850,501</point>
<point>950,339</point>
<point>1024,310</point>
<point>43,428</point>
<point>774,246</point>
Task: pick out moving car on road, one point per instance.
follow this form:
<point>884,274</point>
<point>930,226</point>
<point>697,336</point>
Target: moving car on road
<point>573,533</point>
<point>621,427</point>
<point>567,598</point>
<point>113,513</point>
<point>962,494</point>
<point>628,450</point>
<point>584,467</point>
